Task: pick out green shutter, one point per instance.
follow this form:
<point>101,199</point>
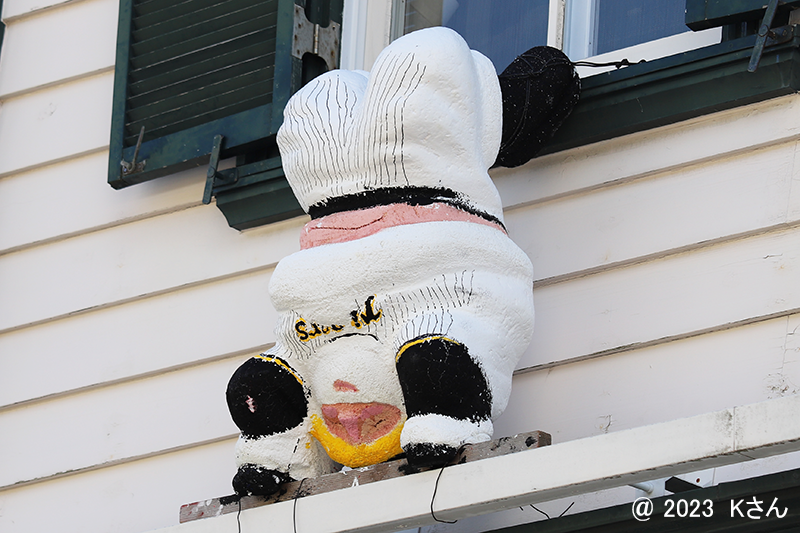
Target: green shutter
<point>189,70</point>
<point>192,71</point>
<point>2,25</point>
<point>703,14</point>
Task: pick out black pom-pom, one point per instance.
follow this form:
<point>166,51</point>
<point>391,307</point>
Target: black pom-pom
<point>540,88</point>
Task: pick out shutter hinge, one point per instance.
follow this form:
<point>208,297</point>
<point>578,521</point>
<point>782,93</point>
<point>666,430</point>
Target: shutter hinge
<point>313,38</point>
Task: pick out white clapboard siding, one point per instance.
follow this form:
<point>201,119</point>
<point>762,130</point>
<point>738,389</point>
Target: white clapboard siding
<point>637,155</point>
<point>73,197</point>
<point>672,297</point>
<point>45,48</point>
<point>56,123</point>
<point>739,194</point>
<point>706,373</point>
<point>141,337</point>
<point>679,379</point>
<point>133,260</point>
<point>115,423</point>
<point>20,8</point>
<point>130,498</point>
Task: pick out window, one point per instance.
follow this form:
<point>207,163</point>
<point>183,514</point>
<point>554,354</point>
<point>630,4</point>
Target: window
<point>190,71</point>
<point>502,30</point>
<point>593,27</point>
<point>690,71</point>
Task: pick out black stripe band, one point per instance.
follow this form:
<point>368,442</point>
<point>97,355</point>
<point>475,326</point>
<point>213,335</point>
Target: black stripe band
<point>396,195</point>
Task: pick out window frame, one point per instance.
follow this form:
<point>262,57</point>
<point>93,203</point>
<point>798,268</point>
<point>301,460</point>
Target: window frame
<point>685,75</point>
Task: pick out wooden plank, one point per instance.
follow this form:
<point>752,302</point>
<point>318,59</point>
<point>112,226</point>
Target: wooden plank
<point>55,123</point>
<point>58,45</point>
<point>641,154</point>
<point>112,424</point>
<point>652,385</point>
<point>40,205</point>
<point>671,210</point>
<point>134,260</point>
<point>141,338</point>
<point>358,477</point>
<point>156,486</point>
<point>13,9</point>
<point>668,298</point>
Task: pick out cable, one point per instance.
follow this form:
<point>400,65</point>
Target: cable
<point>617,64</point>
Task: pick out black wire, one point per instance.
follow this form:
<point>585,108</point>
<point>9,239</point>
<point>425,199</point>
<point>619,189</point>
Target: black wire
<point>294,506</point>
<point>536,508</point>
<point>618,64</point>
<point>435,488</point>
<point>547,515</point>
<point>238,514</point>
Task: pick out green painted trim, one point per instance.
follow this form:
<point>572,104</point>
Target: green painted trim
<point>259,199</point>
<point>249,130</point>
<point>2,25</point>
<point>192,147</point>
<point>286,71</point>
<point>676,88</point>
<point>703,14</point>
<point>785,486</point>
<point>120,94</point>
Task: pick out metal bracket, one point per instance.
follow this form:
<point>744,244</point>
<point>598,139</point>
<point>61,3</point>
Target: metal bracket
<point>217,177</point>
<point>763,33</point>
<point>133,166</point>
<point>313,38</point>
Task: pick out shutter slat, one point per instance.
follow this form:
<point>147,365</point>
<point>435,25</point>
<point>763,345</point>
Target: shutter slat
<point>214,56</point>
<point>149,6</point>
<point>180,30</point>
<point>168,11</point>
<point>196,61</point>
<point>196,77</point>
<point>177,100</point>
<point>218,107</point>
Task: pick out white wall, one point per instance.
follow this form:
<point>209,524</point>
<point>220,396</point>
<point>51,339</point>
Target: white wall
<point>667,266</point>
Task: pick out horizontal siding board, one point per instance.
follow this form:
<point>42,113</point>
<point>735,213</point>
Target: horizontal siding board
<point>131,498</point>
<point>729,196</point>
<point>670,297</point>
<point>55,123</point>
<point>58,45</point>
<point>134,260</point>
<point>141,337</point>
<point>642,154</point>
<point>128,420</point>
<point>40,204</point>
<point>180,408</point>
<point>657,384</point>
<point>20,8</point>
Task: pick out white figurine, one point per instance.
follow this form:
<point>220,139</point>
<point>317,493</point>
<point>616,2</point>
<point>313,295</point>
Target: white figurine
<point>406,310</point>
